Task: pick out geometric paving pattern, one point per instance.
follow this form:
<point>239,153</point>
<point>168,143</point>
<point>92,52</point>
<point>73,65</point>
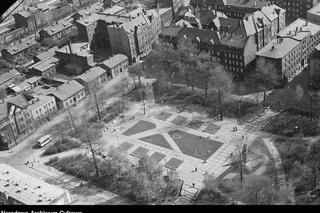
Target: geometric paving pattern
<point>195,124</point>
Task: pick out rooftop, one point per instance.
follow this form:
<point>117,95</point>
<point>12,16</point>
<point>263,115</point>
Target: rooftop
<point>47,54</point>
<point>39,101</point>
<point>45,65</point>
<point>279,50</point>
<point>240,3</point>
<point>92,74</point>
<point>139,22</point>
<point>68,89</point>
<point>56,28</point>
<point>27,189</point>
<point>8,75</point>
<point>206,36</point>
<point>115,60</point>
<point>299,29</point>
<point>21,45</point>
<point>315,10</point>
<point>171,31</point>
<point>113,10</point>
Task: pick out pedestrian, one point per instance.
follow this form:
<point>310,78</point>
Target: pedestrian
<point>236,128</point>
<point>193,185</point>
<point>242,137</point>
<point>195,169</point>
<point>231,154</point>
<point>81,184</point>
<point>205,160</point>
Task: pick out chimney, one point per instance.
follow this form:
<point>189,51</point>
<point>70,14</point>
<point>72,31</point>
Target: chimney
<point>70,46</point>
<point>306,23</point>
<point>158,6</point>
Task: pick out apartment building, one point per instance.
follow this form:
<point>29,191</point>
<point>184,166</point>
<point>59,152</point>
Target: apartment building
<point>19,49</point>
<point>42,108</point>
<point>18,188</point>
<point>315,67</point>
<point>57,31</point>
<point>116,64</point>
<point>45,69</point>
<point>68,94</point>
<point>291,50</point>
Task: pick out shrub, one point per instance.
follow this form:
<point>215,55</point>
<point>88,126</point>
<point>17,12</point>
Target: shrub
<point>285,125</point>
<point>61,146</point>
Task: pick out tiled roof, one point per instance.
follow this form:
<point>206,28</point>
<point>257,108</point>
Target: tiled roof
<point>140,21</point>
<point>68,89</point>
<point>171,31</point>
<point>206,36</point>
<point>8,75</point>
<point>182,23</point>
<point>233,40</point>
<point>206,16</point>
<point>18,100</point>
<point>115,60</point>
<point>27,189</point>
<point>269,12</point>
<point>21,45</point>
<point>280,50</point>
<point>92,74</point>
<point>56,28</point>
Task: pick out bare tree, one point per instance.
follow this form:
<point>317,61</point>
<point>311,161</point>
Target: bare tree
<point>268,74</point>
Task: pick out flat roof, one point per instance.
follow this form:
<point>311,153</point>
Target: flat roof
<point>20,45</point>
<point>43,99</point>
<point>92,74</point>
<point>299,29</point>
<point>115,60</point>
<point>45,65</point>
<point>67,89</point>
<point>315,10</point>
<point>27,189</point>
<point>279,50</point>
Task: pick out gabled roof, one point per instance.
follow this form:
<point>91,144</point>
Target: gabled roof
<point>92,74</point>
<point>7,76</point>
<point>18,100</point>
<point>182,23</point>
<point>269,12</point>
<point>67,90</point>
<point>205,36</point>
<point>139,22</point>
<point>115,60</point>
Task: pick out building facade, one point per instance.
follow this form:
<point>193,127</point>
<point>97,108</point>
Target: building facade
<point>116,64</point>
<point>57,31</point>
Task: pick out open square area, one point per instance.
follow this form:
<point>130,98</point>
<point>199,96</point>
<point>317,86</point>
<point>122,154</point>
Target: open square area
<point>140,152</point>
<point>212,129</point>
<point>173,163</point>
<point>195,124</point>
<point>195,146</point>
<point>158,140</point>
<point>139,127</point>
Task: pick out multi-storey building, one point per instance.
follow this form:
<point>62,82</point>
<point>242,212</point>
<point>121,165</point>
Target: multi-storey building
<point>68,94</point>
<point>315,67</point>
<point>314,13</point>
<point>93,80</point>
<point>19,49</point>
<point>135,37</point>
<point>235,50</point>
<point>232,8</point>
<point>42,108</point>
<point>292,48</point>
<point>18,188</point>
<point>45,69</point>
<point>57,31</point>
<point>295,8</point>
<point>7,77</point>
<point>115,65</point>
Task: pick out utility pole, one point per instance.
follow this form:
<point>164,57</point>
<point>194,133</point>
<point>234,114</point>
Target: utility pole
<point>98,111</point>
<point>143,102</point>
<point>93,156</point>
<point>71,118</point>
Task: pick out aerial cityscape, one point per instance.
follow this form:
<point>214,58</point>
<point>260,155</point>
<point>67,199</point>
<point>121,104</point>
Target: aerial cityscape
<point>160,102</point>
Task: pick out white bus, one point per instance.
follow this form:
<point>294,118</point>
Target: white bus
<point>44,140</point>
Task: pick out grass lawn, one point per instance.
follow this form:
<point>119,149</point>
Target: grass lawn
<point>163,116</point>
<point>173,163</point>
<point>212,129</point>
<point>157,157</point>
<point>125,146</point>
<point>141,126</point>
<point>195,124</point>
<point>194,145</point>
<point>179,120</point>
<point>158,140</point>
<point>140,152</point>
